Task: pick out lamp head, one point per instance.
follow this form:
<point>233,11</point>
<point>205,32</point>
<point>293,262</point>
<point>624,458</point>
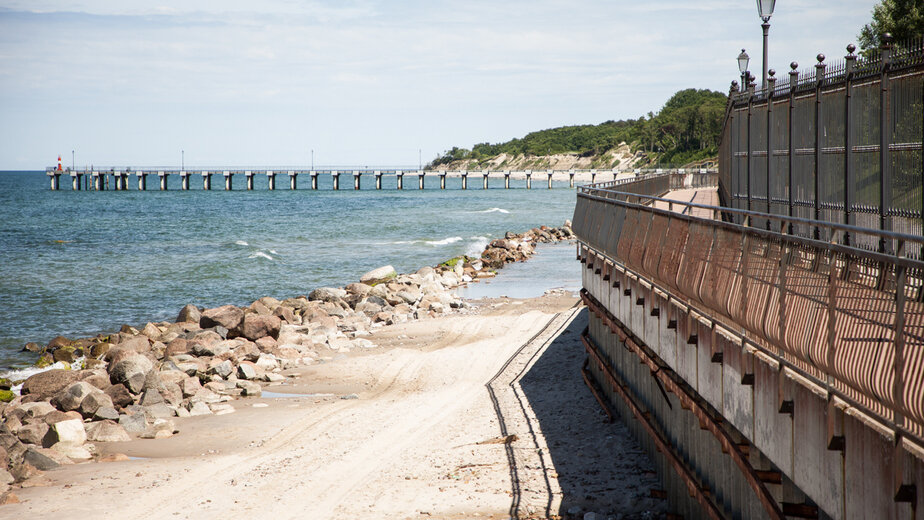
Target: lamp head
<point>743,60</point>
<point>765,9</point>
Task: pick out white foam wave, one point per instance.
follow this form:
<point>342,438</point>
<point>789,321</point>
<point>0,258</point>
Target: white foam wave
<point>443,242</point>
<point>260,254</point>
<point>242,243</point>
<point>477,246</point>
<point>273,252</point>
<point>493,210</point>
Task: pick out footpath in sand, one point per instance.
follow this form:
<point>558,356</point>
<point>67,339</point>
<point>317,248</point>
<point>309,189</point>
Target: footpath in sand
<point>462,416</point>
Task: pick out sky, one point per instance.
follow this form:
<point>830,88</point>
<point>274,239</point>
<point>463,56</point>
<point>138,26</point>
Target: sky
<point>363,82</point>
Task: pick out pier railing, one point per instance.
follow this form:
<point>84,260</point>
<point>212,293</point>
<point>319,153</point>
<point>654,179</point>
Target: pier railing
<point>841,142</point>
<point>99,178</point>
<point>846,317</point>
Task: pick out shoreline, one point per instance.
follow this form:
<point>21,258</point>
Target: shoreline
<point>136,383</point>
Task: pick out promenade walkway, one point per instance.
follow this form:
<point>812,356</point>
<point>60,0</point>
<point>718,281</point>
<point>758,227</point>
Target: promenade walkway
<point>704,196</point>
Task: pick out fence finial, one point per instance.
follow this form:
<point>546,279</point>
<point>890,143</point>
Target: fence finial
<point>851,58</point>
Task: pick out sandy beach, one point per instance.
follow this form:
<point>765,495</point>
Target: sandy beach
<point>477,414</point>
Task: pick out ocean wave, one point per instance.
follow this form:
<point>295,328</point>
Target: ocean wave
<point>273,252</point>
<point>260,254</point>
<point>443,242</point>
<point>492,210</point>
<point>477,246</point>
<point>242,243</point>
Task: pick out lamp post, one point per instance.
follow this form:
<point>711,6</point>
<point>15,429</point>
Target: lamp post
<point>182,160</point>
<point>73,160</point>
<point>743,60</point>
<point>765,9</point>
<point>312,159</point>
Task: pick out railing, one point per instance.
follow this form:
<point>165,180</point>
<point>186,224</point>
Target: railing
<point>843,142</point>
<point>846,317</point>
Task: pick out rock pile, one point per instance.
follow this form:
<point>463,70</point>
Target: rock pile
<point>136,382</point>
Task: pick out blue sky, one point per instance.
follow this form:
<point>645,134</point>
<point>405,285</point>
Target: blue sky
<point>362,82</point>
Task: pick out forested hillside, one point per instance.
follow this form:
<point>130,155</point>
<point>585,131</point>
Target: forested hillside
<point>686,129</point>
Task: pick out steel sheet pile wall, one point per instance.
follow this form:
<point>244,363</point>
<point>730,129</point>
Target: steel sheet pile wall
<point>841,143</point>
<point>845,322</point>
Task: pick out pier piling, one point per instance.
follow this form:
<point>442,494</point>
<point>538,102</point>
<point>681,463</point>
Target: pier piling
<point>420,179</point>
<point>442,180</point>
<point>335,176</point>
<point>314,179</point>
<point>529,179</point>
<point>271,179</point>
<point>142,180</point>
<point>228,176</point>
<point>184,181</point>
<point>163,180</point>
<point>506,179</point>
<point>249,176</point>
<point>464,180</point>
<point>484,179</point>
<point>571,178</point>
<point>75,181</point>
<point>356,176</point>
<point>293,179</point>
<point>378,179</point>
<point>206,180</point>
<point>400,176</point>
<point>549,173</point>
<point>593,176</point>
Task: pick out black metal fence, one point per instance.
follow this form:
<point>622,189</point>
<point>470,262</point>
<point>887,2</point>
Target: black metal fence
<point>840,143</point>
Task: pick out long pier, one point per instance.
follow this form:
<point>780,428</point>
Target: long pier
<point>99,179</point>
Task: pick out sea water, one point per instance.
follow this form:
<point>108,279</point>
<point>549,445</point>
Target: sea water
<point>78,263</point>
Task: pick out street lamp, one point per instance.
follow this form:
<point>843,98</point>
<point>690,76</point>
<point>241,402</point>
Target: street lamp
<point>765,9</point>
<point>182,160</point>
<point>743,60</point>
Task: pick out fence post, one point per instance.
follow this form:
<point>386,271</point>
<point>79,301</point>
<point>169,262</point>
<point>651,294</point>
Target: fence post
<point>849,182</point>
<point>771,86</point>
<point>750,150</point>
<point>885,138</point>
<point>793,83</point>
<point>733,147</point>
<point>819,81</point>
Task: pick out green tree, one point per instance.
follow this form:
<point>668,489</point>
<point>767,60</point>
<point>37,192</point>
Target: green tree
<point>904,19</point>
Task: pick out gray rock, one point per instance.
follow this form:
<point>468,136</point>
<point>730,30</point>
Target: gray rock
<point>159,411</point>
<point>93,402</point>
<point>189,313</point>
<point>222,369</point>
<point>106,431</point>
<point>198,408</point>
<point>37,408</point>
<point>131,371</point>
<point>246,371</point>
<point>151,397</point>
<point>106,412</point>
<point>133,423</point>
<point>32,433</point>
<point>119,395</point>
<point>74,394</point>
<point>327,294</point>
<point>250,389</point>
<point>40,460</point>
<point>378,275</point>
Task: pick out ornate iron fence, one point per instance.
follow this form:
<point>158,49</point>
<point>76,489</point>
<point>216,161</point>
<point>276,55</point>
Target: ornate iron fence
<point>840,143</point>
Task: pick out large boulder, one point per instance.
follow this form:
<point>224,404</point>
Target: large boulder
<point>131,371</point>
<point>69,432</point>
<point>327,294</point>
<point>257,326</point>
<point>71,397</point>
<point>93,402</point>
<point>189,314</point>
<point>227,316</point>
<point>379,275</point>
<point>45,385</point>
<point>106,431</point>
<point>119,395</point>
<point>140,344</point>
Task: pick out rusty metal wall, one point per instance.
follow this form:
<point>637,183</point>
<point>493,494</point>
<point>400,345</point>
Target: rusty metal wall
<point>849,318</point>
